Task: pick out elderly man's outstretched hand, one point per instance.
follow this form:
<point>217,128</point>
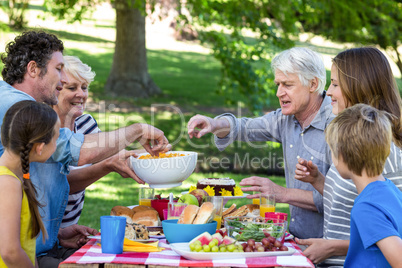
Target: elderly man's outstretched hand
<point>263,185</point>
<point>200,125</point>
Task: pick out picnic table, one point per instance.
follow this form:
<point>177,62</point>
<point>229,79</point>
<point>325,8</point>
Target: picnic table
<point>91,256</point>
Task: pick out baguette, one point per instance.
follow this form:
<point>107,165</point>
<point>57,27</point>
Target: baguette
<point>188,215</point>
<point>205,214</point>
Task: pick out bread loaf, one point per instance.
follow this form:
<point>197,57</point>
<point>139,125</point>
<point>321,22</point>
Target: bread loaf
<point>252,207</point>
<point>229,210</point>
<point>241,211</point>
<point>188,215</point>
<point>205,214</point>
<point>141,208</point>
<point>147,218</point>
<point>124,212</point>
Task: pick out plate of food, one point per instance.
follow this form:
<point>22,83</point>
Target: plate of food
<point>183,249</point>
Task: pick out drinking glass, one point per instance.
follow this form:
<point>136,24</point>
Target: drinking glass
<point>256,200</point>
<point>175,210</point>
<point>112,234</point>
<point>146,194</point>
<point>217,201</point>
<point>267,203</point>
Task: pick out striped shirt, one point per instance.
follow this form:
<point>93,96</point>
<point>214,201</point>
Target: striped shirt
<point>84,124</point>
<point>339,196</point>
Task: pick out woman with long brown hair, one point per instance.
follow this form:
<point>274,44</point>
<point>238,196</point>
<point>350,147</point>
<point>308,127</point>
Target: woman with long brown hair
<point>358,75</point>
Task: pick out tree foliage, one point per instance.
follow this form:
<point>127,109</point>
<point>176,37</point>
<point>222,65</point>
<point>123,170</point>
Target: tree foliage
<point>224,25</point>
<point>244,35</point>
<point>363,22</point>
<point>15,10</point>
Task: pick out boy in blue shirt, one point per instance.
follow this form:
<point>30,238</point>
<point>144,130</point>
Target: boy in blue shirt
<point>360,139</point>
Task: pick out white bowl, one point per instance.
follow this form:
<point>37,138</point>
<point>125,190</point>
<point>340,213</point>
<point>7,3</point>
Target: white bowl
<point>165,172</point>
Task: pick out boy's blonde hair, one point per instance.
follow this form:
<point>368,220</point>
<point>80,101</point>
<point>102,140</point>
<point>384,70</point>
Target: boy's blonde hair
<point>361,136</point>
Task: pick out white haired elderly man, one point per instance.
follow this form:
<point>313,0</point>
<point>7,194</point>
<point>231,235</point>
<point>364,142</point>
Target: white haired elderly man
<point>298,125</point>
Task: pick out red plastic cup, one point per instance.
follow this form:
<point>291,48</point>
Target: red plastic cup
<point>276,215</point>
<point>159,205</point>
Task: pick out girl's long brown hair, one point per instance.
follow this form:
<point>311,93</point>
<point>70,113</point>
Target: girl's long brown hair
<point>24,124</point>
<point>365,76</point>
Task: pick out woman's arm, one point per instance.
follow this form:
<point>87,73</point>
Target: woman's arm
<point>10,224</point>
<point>80,178</point>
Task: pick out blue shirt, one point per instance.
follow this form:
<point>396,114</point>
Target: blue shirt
<point>376,214</point>
<point>49,178</point>
<point>308,143</point>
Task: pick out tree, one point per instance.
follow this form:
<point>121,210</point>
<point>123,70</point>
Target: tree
<point>16,12</point>
<point>129,75</point>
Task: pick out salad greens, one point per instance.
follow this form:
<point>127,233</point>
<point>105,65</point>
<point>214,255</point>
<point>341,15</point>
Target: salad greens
<point>243,232</point>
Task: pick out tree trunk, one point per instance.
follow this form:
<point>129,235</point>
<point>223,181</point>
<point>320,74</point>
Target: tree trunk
<point>129,75</point>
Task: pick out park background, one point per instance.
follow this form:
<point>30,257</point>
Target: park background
<point>194,76</point>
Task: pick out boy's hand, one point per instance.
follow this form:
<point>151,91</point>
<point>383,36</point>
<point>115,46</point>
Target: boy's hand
<point>306,171</point>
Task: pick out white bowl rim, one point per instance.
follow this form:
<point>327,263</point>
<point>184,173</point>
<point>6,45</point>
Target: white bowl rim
<point>188,153</point>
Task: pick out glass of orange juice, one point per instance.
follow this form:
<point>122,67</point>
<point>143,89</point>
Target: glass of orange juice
<point>146,194</point>
<point>267,203</point>
<point>217,201</point>
<point>256,200</point>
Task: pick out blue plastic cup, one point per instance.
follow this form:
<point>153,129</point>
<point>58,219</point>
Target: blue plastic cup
<point>112,234</point>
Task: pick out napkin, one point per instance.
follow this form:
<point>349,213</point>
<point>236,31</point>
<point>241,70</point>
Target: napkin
<point>133,246</point>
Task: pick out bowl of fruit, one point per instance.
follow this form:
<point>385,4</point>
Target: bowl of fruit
<point>178,233</point>
<point>256,228</point>
<point>166,170</point>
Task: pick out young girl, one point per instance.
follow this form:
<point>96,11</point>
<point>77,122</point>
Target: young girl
<point>29,133</point>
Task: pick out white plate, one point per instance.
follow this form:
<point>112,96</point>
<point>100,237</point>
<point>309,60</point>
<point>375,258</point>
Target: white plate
<point>226,198</point>
<point>183,249</point>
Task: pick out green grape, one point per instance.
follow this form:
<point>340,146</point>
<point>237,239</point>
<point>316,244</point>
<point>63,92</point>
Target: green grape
<point>211,244</point>
<point>216,241</point>
<point>206,248</point>
<point>236,250</point>
<point>192,246</point>
<point>222,249</point>
<point>231,247</point>
<point>215,249</point>
<point>240,248</point>
<point>198,247</point>
<point>197,242</point>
